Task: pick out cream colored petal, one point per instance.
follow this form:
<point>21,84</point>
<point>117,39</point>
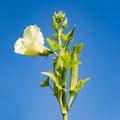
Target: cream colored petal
<point>19,46</point>
<point>34,50</point>
<point>32,34</point>
<point>40,38</point>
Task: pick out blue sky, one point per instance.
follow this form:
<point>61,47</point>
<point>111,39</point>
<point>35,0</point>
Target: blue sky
<point>98,26</point>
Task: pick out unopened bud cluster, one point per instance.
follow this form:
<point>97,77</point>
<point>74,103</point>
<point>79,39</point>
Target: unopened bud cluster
<point>59,21</point>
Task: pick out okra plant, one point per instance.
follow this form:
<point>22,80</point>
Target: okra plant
<point>64,60</point>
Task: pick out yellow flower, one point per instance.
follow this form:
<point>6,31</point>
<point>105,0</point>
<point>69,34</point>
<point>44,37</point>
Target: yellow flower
<point>32,43</point>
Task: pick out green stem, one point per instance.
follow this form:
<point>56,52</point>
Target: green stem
<point>64,100</point>
<point>70,102</point>
<point>64,92</point>
<point>65,116</point>
<point>60,102</point>
<point>62,96</point>
<point>59,37</point>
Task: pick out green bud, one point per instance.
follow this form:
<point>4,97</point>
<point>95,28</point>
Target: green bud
<point>55,24</point>
<point>59,16</point>
<point>65,24</point>
<point>59,21</point>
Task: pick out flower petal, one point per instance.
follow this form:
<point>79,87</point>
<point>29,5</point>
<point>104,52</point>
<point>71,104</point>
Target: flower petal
<point>19,46</point>
<point>32,34</point>
<point>34,49</point>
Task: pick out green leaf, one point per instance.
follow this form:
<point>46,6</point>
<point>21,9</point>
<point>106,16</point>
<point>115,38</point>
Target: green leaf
<point>52,44</point>
<point>54,36</point>
<point>64,36</point>
<point>66,58</point>
<point>52,76</point>
<point>45,83</point>
<point>68,61</point>
<point>59,61</point>
<point>73,63</point>
<point>80,85</point>
<point>68,37</point>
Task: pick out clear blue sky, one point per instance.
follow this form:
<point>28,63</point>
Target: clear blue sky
<point>98,26</point>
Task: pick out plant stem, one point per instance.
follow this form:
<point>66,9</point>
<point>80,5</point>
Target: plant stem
<point>64,100</point>
<point>65,116</point>
<point>64,92</point>
<point>70,102</point>
<point>59,37</point>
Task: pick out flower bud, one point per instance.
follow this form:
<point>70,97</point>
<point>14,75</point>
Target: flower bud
<point>65,24</point>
